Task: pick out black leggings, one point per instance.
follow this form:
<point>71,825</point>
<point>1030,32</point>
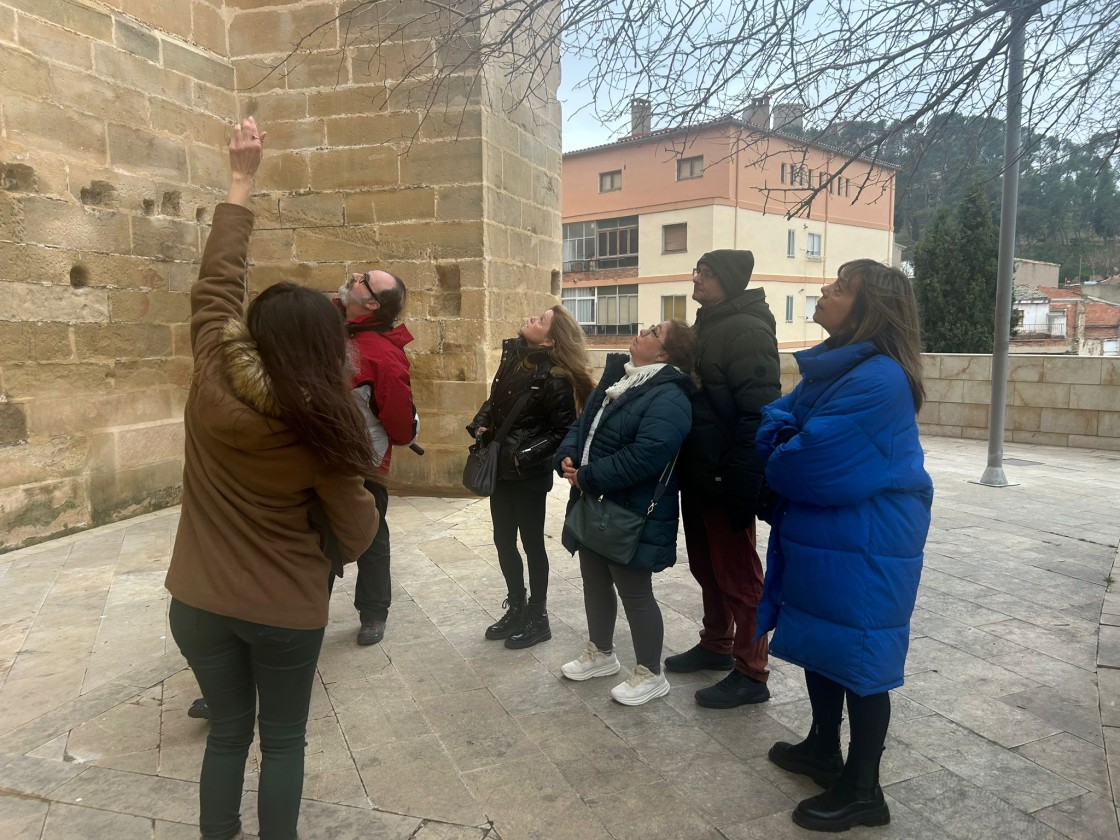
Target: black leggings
<point>239,665</point>
<point>515,507</point>
<point>869,716</point>
<point>635,587</point>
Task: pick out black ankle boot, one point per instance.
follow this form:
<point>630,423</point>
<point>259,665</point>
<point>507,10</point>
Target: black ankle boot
<point>855,799</point>
<point>534,630</point>
<point>816,757</point>
<point>511,622</point>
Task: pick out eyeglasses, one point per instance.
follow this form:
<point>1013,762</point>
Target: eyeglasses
<point>364,280</point>
<point>655,331</point>
<point>704,273</point>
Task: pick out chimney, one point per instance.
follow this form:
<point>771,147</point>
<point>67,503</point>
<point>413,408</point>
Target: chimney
<point>788,117</point>
<point>641,117</point>
<point>758,112</point>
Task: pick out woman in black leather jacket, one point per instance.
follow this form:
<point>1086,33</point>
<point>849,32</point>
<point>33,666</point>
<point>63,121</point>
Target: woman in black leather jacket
<point>549,359</point>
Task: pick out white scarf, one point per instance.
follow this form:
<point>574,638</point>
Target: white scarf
<point>634,376</point>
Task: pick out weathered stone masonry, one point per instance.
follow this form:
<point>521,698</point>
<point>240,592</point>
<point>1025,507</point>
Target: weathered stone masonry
<point>114,118</point>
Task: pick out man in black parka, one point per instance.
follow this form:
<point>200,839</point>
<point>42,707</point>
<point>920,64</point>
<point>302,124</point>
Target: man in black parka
<point>721,475</point>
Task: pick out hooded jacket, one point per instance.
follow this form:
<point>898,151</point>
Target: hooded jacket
<point>739,374</point>
<point>245,547</point>
<point>551,408</point>
<point>845,549</point>
<point>637,436</point>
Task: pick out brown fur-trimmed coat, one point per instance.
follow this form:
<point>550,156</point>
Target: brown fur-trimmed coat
<point>244,547</point>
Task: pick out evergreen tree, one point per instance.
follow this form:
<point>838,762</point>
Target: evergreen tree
<point>955,278</point>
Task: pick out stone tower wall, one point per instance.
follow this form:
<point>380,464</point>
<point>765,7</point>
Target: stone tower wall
<point>115,117</point>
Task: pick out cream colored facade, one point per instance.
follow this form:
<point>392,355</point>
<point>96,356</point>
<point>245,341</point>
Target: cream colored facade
<point>740,201</point>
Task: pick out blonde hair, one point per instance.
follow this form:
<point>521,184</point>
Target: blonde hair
<point>569,353</point>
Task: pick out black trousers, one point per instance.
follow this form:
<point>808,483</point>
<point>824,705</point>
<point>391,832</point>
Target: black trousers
<point>868,716</point>
<point>635,587</point>
<point>247,669</point>
<point>373,589</point>
<point>518,507</point>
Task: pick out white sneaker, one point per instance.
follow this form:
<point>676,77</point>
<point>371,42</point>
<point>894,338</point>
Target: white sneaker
<point>591,663</point>
<point>642,687</point>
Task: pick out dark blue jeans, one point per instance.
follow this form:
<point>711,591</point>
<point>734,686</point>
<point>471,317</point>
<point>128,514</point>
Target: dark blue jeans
<point>373,589</point>
<point>235,663</point>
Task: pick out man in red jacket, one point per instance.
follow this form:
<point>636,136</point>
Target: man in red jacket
<point>372,303</point>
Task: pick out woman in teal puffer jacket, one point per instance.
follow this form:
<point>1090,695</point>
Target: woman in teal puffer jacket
<point>629,432</point>
<point>846,541</point>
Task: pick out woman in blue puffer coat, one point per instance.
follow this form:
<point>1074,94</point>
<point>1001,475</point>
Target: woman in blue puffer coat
<point>629,432</point>
<point>847,537</point>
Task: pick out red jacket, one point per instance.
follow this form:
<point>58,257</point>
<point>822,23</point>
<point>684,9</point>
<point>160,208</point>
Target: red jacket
<point>379,361</point>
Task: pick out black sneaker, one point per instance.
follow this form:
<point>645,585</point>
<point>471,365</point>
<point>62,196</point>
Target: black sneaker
<point>199,709</point>
<point>736,689</point>
<point>699,658</point>
<point>371,632</point>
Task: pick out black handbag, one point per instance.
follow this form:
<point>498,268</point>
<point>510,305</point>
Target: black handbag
<point>609,529</point>
<point>480,473</point>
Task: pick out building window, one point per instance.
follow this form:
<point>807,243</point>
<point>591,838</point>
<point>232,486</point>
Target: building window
<point>791,243</point>
<point>674,239</point>
<point>1056,324</point>
<point>607,243</point>
<point>610,181</point>
<point>813,250</point>
<point>618,242</point>
<point>784,167</point>
<point>810,179</point>
<point>604,310</point>
<point>810,306</point>
<point>674,306</point>
<point>789,309</point>
<point>692,167</point>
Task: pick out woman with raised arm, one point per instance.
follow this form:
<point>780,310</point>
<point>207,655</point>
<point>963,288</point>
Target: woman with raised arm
<point>272,431</point>
<point>848,534</point>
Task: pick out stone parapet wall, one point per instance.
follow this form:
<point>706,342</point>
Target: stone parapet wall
<point>1052,400</point>
<point>113,119</point>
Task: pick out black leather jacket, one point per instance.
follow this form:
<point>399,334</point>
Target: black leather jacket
<point>540,427</point>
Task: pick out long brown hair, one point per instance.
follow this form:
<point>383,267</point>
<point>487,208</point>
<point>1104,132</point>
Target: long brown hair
<point>885,312</point>
<point>681,347</point>
<point>303,346</point>
<point>569,353</point>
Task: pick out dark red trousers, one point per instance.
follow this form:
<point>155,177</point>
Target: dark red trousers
<point>729,571</point>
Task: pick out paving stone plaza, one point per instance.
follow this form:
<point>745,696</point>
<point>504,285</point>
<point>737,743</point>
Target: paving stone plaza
<point>1008,725</point>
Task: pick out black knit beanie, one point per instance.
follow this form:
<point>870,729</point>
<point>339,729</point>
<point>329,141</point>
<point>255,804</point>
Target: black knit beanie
<point>732,268</point>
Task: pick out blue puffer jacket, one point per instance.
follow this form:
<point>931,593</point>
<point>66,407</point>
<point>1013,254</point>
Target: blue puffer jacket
<point>845,550</point>
<point>636,438</point>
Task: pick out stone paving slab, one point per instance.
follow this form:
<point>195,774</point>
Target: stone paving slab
<point>1008,725</point>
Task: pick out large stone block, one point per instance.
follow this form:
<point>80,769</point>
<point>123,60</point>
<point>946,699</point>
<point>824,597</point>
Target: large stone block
<point>171,118</point>
<point>135,72</point>
<point>138,446</point>
<point>170,17</point>
<point>353,242</point>
<point>451,124</point>
<point>354,168</point>
<point>272,245</point>
<point>215,100</point>
<point>272,107</point>
<point>315,70</point>
<point>29,463</point>
<point>196,64</point>
<point>372,129</point>
<point>69,14</point>
<point>1103,397</point>
<point>54,129</point>
<point>135,39</point>
<point>448,162</point>
<point>123,271</point>
<point>27,302</point>
<point>62,414</point>
<point>208,28</point>
<point>369,99</point>
<point>34,263</point>
<point>272,31</point>
<point>60,224</point>
<point>85,92</point>
<point>45,379</point>
<point>295,134</point>
<point>209,167</point>
<point>1082,370</point>
<point>313,209</point>
<point>1041,394</point>
<point>121,341</point>
<point>146,152</point>
<point>13,423</point>
<point>142,374</point>
<point>59,44</point>
<point>116,495</point>
<point>33,511</point>
<point>1072,421</point>
<point>435,240</point>
<point>285,171</point>
<point>390,206</point>
<point>165,239</point>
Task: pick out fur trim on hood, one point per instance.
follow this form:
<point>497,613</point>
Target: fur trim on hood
<point>245,371</point>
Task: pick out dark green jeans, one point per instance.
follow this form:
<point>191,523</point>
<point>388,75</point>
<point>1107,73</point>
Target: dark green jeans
<point>236,664</point>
